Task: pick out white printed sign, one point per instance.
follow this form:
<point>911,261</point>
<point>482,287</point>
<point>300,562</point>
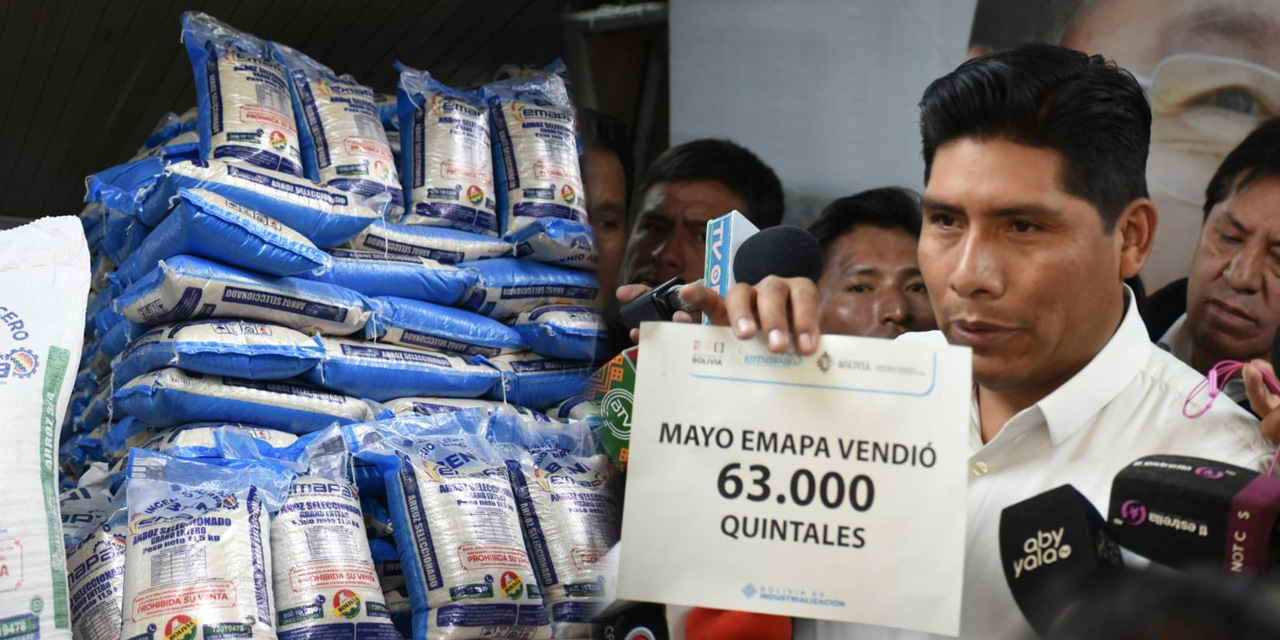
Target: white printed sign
<point>830,486</point>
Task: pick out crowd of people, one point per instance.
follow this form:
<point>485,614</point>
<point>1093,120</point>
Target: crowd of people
<point>1027,245</point>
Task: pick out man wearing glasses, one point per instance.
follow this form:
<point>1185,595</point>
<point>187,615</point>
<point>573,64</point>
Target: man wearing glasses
<point>1209,68</point>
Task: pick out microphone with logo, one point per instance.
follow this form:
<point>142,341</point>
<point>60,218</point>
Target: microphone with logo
<point>1055,550</point>
<point>785,251</point>
<point>1182,511</point>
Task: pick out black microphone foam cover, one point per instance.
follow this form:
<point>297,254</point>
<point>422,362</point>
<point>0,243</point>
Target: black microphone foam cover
<point>784,251</point>
<point>1182,511</point>
<point>1054,549</point>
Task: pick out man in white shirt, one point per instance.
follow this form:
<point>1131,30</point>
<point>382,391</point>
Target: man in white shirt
<point>1035,212</point>
<point>1231,308</point>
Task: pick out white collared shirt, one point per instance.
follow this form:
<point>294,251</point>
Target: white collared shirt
<point>1177,340</point>
<point>1125,404</point>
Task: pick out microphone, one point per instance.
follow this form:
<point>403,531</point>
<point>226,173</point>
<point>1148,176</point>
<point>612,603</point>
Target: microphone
<point>1182,511</point>
<point>1055,550</point>
<point>784,251</point>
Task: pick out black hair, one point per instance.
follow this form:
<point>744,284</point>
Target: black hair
<point>886,207</point>
<point>1147,605</point>
<point>600,130</point>
<point>730,164</point>
<point>1004,24</point>
<point>1084,107</point>
<point>1256,157</point>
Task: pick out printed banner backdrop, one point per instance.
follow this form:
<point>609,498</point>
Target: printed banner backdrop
<point>825,91</point>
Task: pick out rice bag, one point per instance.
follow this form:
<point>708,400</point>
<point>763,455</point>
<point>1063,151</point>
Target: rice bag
<point>44,283</point>
<point>509,287</point>
<point>95,568</point>
<point>127,433</point>
<point>343,142</point>
<point>99,409</point>
<point>242,95</point>
<point>580,407</point>
<point>536,172</point>
<point>211,226</point>
<point>172,125</point>
<point>564,331</point>
<point>383,371</point>
<point>186,287</point>
<point>386,561</point>
<point>199,439</point>
<point>123,235</point>
<point>172,397</point>
<point>237,348</point>
<point>538,382</point>
<point>198,548</point>
<point>382,274</point>
<point>448,246</point>
<point>424,325</point>
<point>387,104</point>
<point>185,146</point>
<point>448,163</point>
<point>565,489</point>
<point>457,528</point>
<point>432,406</point>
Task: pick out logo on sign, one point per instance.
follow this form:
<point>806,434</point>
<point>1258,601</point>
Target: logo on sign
<point>824,362</point>
<point>750,591</point>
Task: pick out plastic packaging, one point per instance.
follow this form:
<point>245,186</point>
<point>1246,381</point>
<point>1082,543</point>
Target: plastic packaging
<point>172,397</point>
<point>424,325</point>
<point>245,114</point>
<point>509,287</point>
<point>199,439</point>
<point>343,142</point>
<point>536,171</point>
<point>448,163</point>
<point>238,348</point>
<point>380,274</point>
<point>186,287</point>
<point>538,382</point>
<point>198,549</point>
<point>564,331</point>
<point>448,246</point>
<point>208,225</point>
<point>380,371</point>
<point>458,531</point>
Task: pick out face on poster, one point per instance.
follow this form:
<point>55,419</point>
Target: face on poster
<point>1211,69</point>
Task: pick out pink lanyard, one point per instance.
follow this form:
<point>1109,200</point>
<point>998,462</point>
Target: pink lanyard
<point>1216,382</point>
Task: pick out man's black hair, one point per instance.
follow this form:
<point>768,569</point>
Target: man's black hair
<point>732,165</point>
<point>1256,157</point>
<point>886,207</point>
<point>1004,24</point>
<point>600,130</point>
<point>1093,113</point>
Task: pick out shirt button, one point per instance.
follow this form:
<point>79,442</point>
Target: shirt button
<point>980,469</point>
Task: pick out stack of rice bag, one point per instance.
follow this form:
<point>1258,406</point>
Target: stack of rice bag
<point>280,259</point>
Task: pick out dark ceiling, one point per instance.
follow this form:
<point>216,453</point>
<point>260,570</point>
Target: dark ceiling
<point>85,81</point>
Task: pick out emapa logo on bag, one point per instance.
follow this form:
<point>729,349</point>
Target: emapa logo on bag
<point>19,363</point>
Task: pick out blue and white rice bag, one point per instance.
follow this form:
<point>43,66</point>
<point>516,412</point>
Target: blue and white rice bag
<point>566,490</point>
<point>343,142</point>
<point>448,162</point>
<point>172,125</point>
<point>326,216</point>
<point>457,528</point>
<point>430,406</point>
<point>509,287</point>
<point>127,433</point>
<point>198,549</point>
<point>186,146</point>
<point>381,371</point>
<point>536,173</point>
<point>200,439</point>
<point>580,407</point>
<point>564,331</point>
<point>187,287</point>
<point>448,246</point>
<point>424,325</point>
<point>224,347</point>
<point>538,382</point>
<point>171,397</point>
<point>208,225</point>
<point>242,95</point>
<point>383,274</point>
<point>95,538</point>
<point>100,408</point>
<point>120,334</point>
<point>386,558</point>
<point>124,234</point>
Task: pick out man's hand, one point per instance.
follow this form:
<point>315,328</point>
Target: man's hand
<point>785,309</point>
<point>1262,398</point>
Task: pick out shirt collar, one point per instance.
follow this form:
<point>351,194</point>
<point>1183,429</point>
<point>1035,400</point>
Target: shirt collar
<point>1177,340</point>
<point>1072,405</point>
